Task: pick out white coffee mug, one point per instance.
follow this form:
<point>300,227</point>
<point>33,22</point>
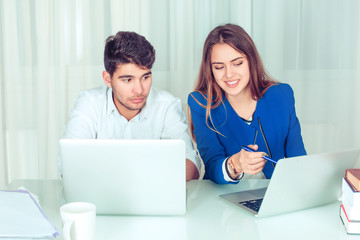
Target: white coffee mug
<point>78,219</point>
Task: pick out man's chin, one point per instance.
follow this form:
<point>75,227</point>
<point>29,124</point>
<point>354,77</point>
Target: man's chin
<point>136,107</point>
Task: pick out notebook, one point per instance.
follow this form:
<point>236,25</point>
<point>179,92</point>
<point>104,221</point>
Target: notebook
<point>127,177</point>
<point>299,183</point>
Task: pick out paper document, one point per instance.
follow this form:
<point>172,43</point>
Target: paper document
<point>22,217</point>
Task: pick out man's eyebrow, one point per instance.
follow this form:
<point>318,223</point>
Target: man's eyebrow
<point>125,76</point>
<point>235,59</point>
<point>146,74</point>
<point>131,76</point>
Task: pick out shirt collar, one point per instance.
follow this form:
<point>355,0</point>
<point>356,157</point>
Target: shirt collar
<point>110,102</point>
<point>145,111</point>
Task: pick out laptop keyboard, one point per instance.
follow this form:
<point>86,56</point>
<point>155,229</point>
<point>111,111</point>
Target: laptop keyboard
<point>252,204</point>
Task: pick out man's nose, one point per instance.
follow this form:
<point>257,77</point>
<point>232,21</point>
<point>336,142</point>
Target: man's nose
<point>138,87</point>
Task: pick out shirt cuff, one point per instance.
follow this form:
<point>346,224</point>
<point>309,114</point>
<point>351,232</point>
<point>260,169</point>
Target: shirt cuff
<point>193,157</point>
<point>226,175</point>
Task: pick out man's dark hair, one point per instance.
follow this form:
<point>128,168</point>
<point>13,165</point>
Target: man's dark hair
<point>128,47</point>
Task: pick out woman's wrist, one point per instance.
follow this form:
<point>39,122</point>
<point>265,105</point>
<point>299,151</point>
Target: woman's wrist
<point>231,170</point>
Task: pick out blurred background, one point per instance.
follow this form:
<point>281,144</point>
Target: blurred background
<point>50,50</point>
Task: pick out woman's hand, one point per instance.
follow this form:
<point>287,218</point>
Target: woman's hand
<point>247,162</point>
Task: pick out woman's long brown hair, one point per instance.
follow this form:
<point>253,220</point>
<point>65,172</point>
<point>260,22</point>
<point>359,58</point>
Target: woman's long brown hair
<point>236,37</point>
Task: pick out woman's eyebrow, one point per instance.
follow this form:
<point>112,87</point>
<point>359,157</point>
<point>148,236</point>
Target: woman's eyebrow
<point>235,59</point>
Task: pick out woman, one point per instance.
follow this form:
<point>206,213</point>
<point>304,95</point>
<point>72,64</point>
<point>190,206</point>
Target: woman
<point>236,104</point>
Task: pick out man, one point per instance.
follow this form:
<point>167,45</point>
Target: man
<point>128,107</point>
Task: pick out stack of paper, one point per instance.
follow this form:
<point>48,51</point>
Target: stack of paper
<point>22,217</point>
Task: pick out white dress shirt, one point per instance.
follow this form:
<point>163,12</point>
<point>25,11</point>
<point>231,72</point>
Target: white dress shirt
<point>95,116</point>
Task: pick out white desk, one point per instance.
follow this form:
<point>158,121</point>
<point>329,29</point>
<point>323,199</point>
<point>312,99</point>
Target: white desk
<point>207,217</point>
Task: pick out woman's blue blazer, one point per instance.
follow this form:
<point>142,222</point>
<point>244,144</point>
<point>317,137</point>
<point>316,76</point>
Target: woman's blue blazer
<point>275,111</point>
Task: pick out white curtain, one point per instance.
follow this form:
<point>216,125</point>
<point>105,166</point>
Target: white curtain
<point>50,50</point>
<point>314,46</point>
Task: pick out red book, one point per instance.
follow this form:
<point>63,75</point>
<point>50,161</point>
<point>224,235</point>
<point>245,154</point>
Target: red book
<point>353,177</point>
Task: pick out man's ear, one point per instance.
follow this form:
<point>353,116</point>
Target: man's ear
<point>107,78</point>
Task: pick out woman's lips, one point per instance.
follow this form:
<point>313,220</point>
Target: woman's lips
<point>232,84</point>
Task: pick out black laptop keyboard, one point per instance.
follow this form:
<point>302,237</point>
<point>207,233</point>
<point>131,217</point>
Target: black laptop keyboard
<point>252,204</point>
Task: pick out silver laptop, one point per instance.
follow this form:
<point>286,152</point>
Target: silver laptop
<point>127,177</point>
<point>298,183</point>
